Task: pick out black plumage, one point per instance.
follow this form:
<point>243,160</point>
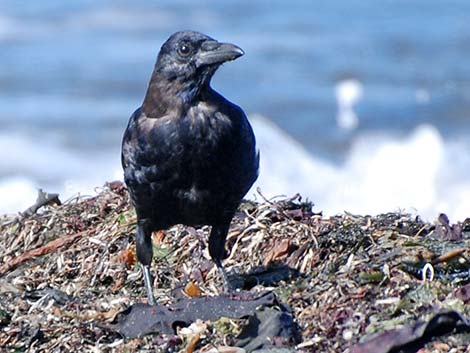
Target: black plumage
<point>188,154</point>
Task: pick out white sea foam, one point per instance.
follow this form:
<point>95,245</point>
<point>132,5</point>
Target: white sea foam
<point>27,164</point>
<point>17,193</point>
<point>418,173</point>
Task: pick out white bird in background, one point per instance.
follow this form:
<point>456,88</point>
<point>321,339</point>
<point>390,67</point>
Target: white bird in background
<point>348,93</point>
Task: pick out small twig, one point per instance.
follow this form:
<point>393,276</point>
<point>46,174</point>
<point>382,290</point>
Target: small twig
<point>277,205</point>
<point>286,199</point>
<point>448,256</point>
<point>43,199</point>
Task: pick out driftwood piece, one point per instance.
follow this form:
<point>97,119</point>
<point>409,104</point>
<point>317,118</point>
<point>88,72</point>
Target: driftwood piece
<point>50,247</point>
<point>43,199</point>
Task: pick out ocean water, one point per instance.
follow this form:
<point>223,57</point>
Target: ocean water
<point>359,105</point>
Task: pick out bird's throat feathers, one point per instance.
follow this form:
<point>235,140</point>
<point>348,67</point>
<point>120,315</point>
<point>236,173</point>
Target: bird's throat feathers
<point>174,92</point>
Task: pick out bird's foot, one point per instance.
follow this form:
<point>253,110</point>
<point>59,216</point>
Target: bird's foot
<point>229,287</point>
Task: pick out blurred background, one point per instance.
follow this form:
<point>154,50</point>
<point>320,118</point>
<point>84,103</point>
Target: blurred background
<point>359,105</point>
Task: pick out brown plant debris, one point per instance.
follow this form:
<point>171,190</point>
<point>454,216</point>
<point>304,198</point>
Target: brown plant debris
<point>68,271</point>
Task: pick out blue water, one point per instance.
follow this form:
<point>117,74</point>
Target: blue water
<point>71,73</point>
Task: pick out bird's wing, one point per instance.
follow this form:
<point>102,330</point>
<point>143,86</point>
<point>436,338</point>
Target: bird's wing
<point>128,144</point>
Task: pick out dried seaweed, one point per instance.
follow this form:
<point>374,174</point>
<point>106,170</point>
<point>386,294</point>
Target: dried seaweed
<point>414,337</point>
<point>142,319</point>
<point>66,270</point>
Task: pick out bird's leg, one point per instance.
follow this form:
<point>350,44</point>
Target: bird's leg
<point>144,255</point>
<point>228,286</point>
<point>148,284</point>
<point>217,252</point>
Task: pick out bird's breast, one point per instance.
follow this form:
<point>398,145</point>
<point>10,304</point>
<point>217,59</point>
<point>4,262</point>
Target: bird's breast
<point>187,169</point>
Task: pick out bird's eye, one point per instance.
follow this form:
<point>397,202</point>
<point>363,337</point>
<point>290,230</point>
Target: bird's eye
<point>184,49</point>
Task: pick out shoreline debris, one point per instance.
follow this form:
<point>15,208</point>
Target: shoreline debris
<point>69,270</point>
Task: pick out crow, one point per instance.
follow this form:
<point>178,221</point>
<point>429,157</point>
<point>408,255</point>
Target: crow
<point>189,155</point>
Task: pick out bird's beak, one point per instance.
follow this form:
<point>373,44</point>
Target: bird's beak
<point>213,52</point>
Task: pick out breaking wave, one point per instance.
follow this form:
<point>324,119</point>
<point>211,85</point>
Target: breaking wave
<point>418,173</point>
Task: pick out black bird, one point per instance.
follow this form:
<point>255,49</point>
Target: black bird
<point>188,154</point>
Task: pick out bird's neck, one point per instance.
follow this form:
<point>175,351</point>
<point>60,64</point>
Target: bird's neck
<point>171,95</point>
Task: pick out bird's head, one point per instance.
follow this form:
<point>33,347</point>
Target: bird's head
<point>188,59</point>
